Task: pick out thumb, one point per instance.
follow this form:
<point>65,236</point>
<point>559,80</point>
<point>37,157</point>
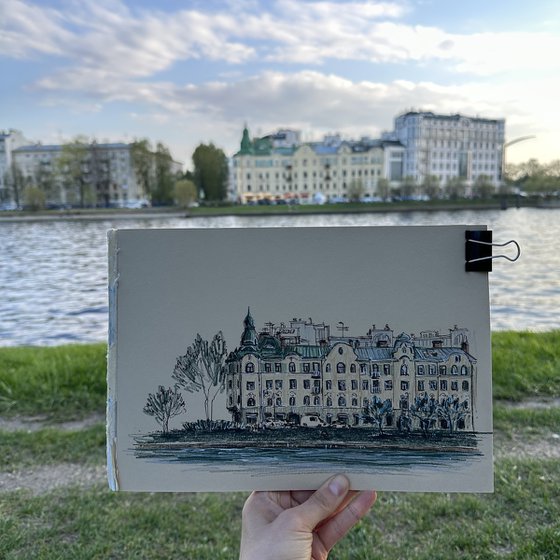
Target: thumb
<point>322,504</point>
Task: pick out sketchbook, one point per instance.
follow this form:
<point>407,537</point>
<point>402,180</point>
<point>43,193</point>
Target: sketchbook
<point>272,358</point>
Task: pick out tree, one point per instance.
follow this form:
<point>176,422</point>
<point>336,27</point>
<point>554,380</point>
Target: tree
<point>34,198</point>
<point>356,190</point>
<point>162,194</point>
<point>202,369</point>
<point>185,193</point>
<point>143,165</point>
<point>425,409</point>
<point>210,171</point>
<point>408,187</point>
<point>455,188</point>
<point>483,187</point>
<point>375,412</point>
<point>73,167</point>
<point>164,405</point>
<point>430,186</point>
<point>452,411</point>
<point>384,188</point>
<point>16,181</point>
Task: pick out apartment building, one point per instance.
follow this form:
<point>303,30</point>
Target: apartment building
<point>290,370</point>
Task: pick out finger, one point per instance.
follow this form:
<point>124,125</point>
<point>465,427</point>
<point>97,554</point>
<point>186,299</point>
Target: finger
<point>336,527</point>
<point>321,504</point>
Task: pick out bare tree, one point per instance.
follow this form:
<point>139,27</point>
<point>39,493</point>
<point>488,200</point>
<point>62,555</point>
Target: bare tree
<point>202,368</point>
<point>164,404</point>
<point>375,411</point>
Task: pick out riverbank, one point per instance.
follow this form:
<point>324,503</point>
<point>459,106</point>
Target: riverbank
<point>261,211</point>
<point>55,501</point>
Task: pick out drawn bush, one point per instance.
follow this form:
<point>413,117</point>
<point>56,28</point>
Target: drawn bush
<point>202,368</point>
<point>376,411</point>
<point>425,409</point>
<point>452,411</point>
<point>164,405</point>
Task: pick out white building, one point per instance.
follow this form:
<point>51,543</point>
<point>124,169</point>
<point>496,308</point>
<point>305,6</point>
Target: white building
<point>107,168</point>
<point>450,146</point>
<point>9,141</point>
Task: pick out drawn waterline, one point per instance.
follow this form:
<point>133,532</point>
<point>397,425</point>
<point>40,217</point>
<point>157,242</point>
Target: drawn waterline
<point>380,456</point>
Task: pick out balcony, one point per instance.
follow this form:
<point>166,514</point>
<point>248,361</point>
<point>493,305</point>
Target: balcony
<point>315,374</point>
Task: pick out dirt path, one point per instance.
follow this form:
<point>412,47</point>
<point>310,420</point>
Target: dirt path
<point>36,423</point>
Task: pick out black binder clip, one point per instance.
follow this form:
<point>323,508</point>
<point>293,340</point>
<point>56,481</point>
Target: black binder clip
<point>478,250</point>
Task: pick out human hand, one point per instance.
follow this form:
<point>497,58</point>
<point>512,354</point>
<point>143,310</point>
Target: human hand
<point>301,525</point>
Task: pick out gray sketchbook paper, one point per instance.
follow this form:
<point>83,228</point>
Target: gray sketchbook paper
<point>247,359</point>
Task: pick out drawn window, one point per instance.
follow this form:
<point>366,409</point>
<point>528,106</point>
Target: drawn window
<point>341,385</point>
<point>306,400</point>
<point>250,385</point>
<point>278,384</point>
<point>230,384</point>
<point>457,358</point>
<point>316,366</point>
<point>433,385</point>
<point>443,385</point>
<point>341,367</point>
<point>420,370</point>
<point>388,385</point>
<point>249,367</point>
<point>354,384</point>
<point>292,367</point>
<point>454,385</point>
<point>269,402</point>
<point>420,385</point>
<point>404,369</point>
<point>354,401</point>
<point>365,384</point>
<point>278,367</point>
<point>387,369</point>
<point>352,368</point>
<point>250,401</point>
<point>432,369</point>
<point>278,401</point>
<point>340,350</point>
<point>375,386</point>
<point>317,401</point>
<point>375,368</point>
<point>268,368</point>
<point>341,401</point>
<point>292,401</point>
<point>293,383</point>
<point>269,383</point>
<point>465,385</point>
<point>306,368</point>
<point>464,370</point>
<point>329,401</point>
<point>306,384</point>
<point>363,368</point>
<point>404,385</point>
<point>454,370</point>
<point>328,385</point>
<point>328,368</point>
<point>443,370</point>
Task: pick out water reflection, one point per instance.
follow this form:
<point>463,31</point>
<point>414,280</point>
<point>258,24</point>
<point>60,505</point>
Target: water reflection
<point>53,274</point>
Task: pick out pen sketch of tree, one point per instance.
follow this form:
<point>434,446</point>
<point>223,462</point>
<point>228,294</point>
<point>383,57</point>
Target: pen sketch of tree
<point>164,404</point>
<point>202,368</point>
<point>375,412</point>
<point>425,408</point>
<point>452,411</point>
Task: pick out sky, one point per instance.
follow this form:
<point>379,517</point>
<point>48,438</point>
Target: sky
<point>185,72</point>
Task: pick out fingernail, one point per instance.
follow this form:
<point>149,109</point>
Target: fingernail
<point>338,485</point>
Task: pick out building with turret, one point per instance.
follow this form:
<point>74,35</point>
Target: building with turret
<point>289,370</point>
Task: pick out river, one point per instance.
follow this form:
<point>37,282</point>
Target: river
<point>53,273</point>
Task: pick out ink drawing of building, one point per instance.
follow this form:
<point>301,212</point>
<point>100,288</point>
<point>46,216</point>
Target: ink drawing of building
<point>290,370</point>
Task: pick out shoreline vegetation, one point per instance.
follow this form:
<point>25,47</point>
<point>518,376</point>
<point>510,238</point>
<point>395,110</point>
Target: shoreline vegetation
<point>228,209</point>
<point>55,502</point>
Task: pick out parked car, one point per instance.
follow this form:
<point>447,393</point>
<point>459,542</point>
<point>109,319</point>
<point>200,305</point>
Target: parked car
<point>311,421</point>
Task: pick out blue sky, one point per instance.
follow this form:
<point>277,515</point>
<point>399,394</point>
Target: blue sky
<point>184,72</point>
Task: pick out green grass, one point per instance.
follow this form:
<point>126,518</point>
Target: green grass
<point>525,419</point>
<point>59,382</point>
<point>521,520</point>
<point>69,381</point>
<point>50,446</point>
<point>526,364</point>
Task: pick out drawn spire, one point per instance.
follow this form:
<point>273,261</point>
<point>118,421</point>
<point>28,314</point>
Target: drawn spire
<point>249,336</point>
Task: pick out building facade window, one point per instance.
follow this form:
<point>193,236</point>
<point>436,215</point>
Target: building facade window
<point>341,367</point>
<point>250,385</point>
<point>249,367</point>
<point>292,367</point>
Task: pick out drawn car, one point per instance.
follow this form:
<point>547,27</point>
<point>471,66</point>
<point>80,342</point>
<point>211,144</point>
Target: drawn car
<point>311,421</point>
